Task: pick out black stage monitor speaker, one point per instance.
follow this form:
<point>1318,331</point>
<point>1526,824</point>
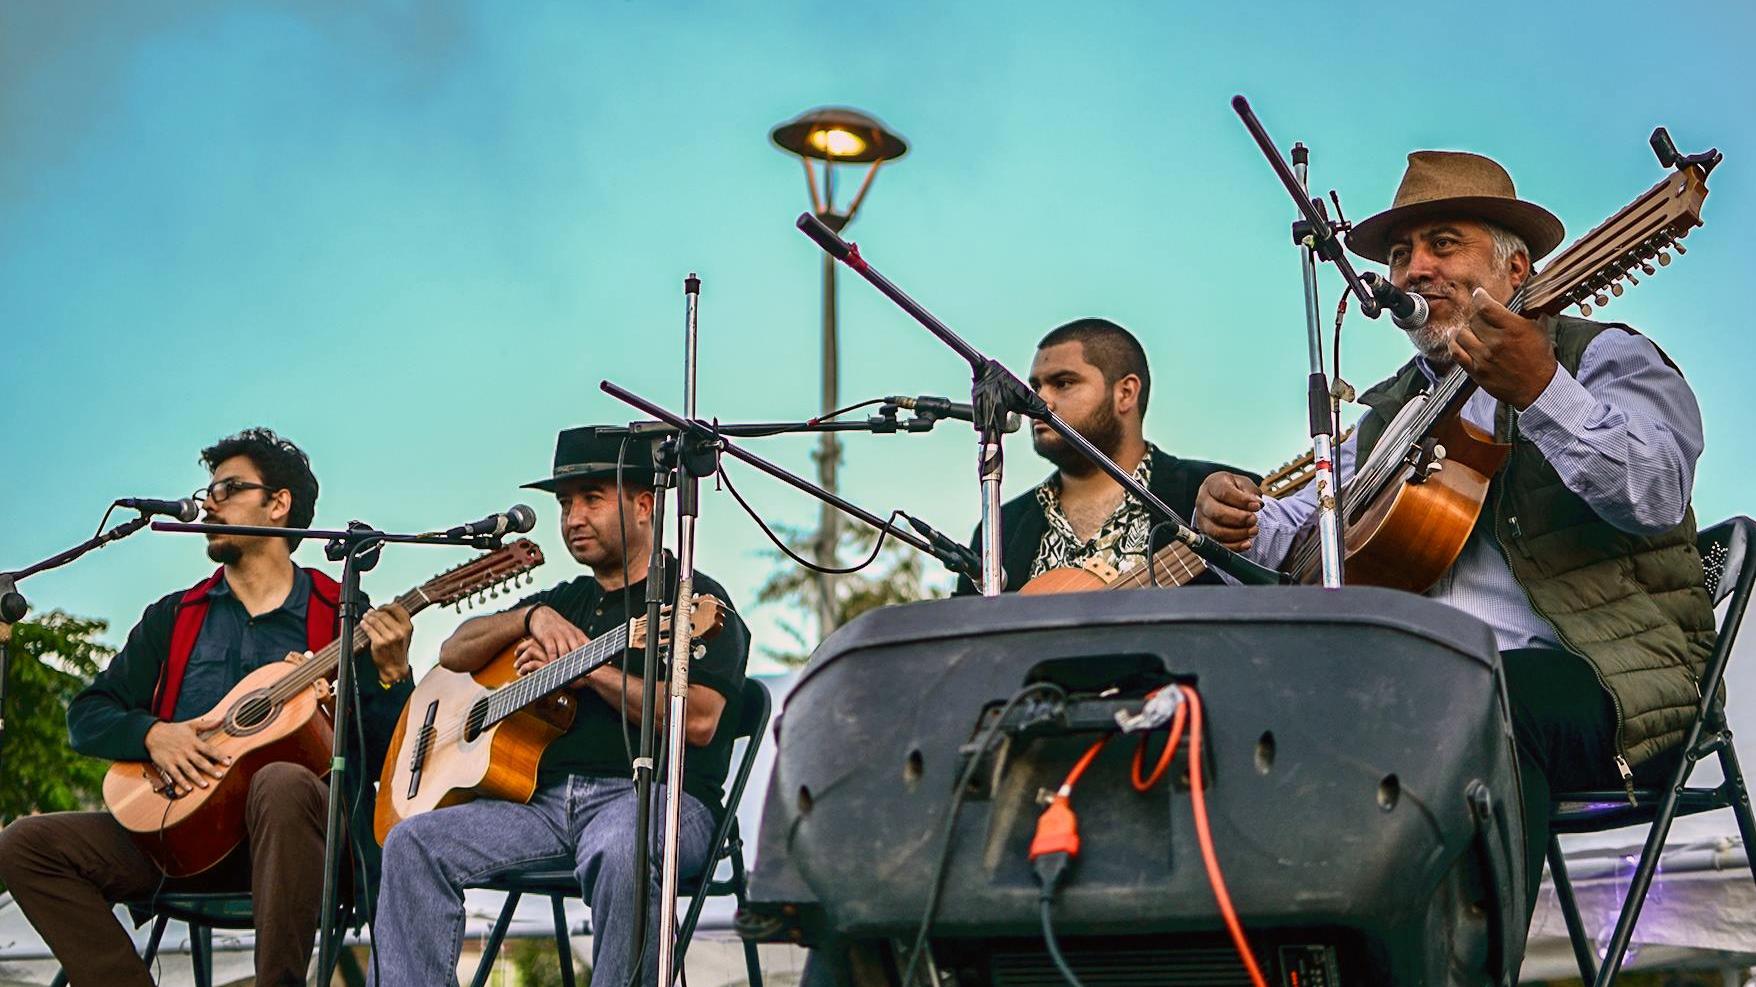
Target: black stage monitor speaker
<point>1359,775</point>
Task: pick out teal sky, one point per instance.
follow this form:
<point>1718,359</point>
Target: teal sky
<point>414,236</point>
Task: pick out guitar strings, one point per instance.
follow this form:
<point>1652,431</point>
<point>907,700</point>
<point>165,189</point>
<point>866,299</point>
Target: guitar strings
<point>256,708</point>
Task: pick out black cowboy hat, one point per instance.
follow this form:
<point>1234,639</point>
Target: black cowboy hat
<point>593,452</point>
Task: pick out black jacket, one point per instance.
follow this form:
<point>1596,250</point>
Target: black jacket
<point>1023,524</point>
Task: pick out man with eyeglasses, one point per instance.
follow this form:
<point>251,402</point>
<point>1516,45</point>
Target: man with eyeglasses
<point>189,649</point>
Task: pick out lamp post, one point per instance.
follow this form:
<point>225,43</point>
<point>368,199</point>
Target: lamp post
<point>835,136</point>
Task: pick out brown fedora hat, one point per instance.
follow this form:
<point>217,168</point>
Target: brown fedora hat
<point>1440,184</point>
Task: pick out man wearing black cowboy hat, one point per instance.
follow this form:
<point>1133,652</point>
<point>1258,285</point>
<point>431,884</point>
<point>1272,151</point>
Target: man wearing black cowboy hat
<point>1583,562</point>
<point>584,808</point>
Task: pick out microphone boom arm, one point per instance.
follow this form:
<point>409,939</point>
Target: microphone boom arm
<point>996,391</point>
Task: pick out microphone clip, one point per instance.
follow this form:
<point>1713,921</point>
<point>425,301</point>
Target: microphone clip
<point>1326,242</point>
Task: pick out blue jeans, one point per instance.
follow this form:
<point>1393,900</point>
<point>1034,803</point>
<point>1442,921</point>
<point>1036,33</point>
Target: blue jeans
<point>586,822</point>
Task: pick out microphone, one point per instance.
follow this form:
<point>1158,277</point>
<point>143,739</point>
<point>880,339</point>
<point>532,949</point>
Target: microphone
<point>1407,311</point>
<point>183,510</point>
<point>517,518</point>
<point>935,407</point>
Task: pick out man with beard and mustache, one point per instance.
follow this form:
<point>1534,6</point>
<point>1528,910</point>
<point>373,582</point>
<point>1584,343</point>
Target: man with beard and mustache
<point>66,869</point>
<point>582,814</point>
<point>1093,373</point>
<point>1584,562</point>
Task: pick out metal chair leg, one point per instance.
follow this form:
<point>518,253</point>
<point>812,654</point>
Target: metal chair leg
<point>152,941</point>
<point>752,959</point>
<point>1641,882</point>
<point>201,954</point>
<point>563,947</point>
<point>1739,795</point>
<point>491,948</point>
<point>1570,912</point>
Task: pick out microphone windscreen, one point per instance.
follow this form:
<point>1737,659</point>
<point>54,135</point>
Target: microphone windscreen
<point>521,518</point>
<point>826,238</point>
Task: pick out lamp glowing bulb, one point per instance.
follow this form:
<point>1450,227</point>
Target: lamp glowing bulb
<point>837,143</point>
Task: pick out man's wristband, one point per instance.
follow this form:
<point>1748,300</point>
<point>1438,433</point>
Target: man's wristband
<point>528,614</point>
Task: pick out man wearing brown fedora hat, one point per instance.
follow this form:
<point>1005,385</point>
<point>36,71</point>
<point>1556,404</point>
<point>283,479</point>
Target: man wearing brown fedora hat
<point>582,814</point>
<point>1583,562</point>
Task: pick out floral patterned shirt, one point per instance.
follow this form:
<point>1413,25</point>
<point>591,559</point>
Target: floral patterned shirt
<point>1121,541</point>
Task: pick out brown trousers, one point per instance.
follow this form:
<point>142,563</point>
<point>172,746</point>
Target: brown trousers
<point>66,869</point>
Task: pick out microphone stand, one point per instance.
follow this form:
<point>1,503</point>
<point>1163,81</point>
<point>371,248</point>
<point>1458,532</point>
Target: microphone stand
<point>694,460</point>
<point>357,550</point>
<point>13,605</point>
<point>1319,404</point>
<point>995,391</point>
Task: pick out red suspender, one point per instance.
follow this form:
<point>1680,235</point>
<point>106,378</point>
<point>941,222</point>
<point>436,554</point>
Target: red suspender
<point>191,613</point>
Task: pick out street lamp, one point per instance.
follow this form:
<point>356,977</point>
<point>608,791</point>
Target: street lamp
<point>837,136</point>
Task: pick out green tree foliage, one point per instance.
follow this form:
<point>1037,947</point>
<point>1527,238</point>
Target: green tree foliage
<point>53,657</point>
<point>899,574</point>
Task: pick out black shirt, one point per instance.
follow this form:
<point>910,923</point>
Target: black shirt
<point>595,745</point>
<point>232,644</point>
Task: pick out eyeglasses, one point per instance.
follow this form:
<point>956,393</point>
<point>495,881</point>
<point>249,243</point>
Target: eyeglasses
<point>217,491</point>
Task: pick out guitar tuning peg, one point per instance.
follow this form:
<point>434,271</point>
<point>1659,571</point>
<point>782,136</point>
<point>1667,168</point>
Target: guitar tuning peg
<point>1631,279</point>
<point>1616,287</point>
<point>1680,249</point>
<point>1664,259</point>
<point>1648,269</point>
<point>1601,299</point>
<point>1584,310</point>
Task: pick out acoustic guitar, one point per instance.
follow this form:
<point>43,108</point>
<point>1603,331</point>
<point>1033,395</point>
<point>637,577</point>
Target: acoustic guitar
<point>275,713</point>
<point>1408,511</point>
<point>482,734</point>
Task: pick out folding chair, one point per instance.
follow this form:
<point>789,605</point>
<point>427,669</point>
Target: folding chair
<point>559,884</point>
<point>1730,572</point>
<point>203,913</point>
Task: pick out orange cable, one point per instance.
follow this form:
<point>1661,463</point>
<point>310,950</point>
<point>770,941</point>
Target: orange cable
<point>1205,837</point>
<point>1164,759</point>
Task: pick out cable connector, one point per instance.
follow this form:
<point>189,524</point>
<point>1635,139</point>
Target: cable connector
<point>1050,868</point>
<point>1057,831</point>
<point>1160,707</point>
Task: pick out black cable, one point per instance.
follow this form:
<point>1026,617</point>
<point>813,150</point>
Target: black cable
<point>842,411</point>
<point>627,602</point>
<point>358,851</point>
<point>104,521</point>
<point>1055,947</point>
<point>801,560</point>
<point>963,783</point>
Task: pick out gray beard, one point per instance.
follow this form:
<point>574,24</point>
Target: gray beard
<point>1433,340</point>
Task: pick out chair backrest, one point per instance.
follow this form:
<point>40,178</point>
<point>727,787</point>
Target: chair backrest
<point>754,707</point>
<point>1727,568</point>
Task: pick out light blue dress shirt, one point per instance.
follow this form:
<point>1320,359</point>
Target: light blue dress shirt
<point>1624,435</point>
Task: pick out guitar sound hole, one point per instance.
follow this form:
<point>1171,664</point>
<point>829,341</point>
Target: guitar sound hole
<point>251,714</point>
<point>478,716</point>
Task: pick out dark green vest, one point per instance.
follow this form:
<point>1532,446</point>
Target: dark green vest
<point>1634,606</point>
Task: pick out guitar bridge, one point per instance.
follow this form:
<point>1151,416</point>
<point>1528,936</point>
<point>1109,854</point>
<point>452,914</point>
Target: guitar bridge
<point>423,741</point>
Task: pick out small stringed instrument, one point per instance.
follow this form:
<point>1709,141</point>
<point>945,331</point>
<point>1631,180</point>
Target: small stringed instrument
<point>274,714</point>
<point>1408,511</point>
<point>1174,564</point>
<point>482,734</point>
